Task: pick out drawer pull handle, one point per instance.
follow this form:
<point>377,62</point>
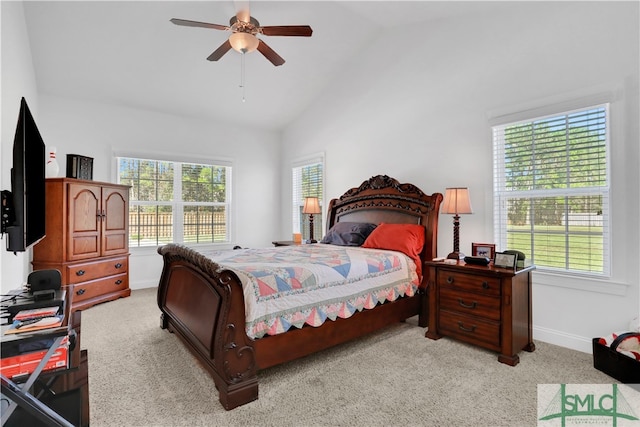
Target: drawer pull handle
<point>485,285</point>
<point>118,282</point>
<point>80,291</point>
<point>118,265</point>
<point>450,279</point>
<point>471,306</point>
<point>80,273</point>
<point>462,327</point>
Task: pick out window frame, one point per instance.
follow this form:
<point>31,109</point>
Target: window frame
<point>501,193</point>
<point>176,203</point>
<point>296,193</point>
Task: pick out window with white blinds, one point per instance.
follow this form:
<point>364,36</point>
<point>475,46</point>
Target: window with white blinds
<point>177,202</point>
<point>307,181</point>
<point>551,190</point>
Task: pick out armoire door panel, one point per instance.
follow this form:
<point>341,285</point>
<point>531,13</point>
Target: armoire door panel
<point>115,222</point>
<point>115,209</point>
<point>84,221</point>
<point>85,246</point>
<point>114,243</point>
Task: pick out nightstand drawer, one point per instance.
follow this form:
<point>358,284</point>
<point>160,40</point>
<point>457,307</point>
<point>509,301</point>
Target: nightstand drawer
<point>87,290</point>
<point>470,303</point>
<point>470,328</point>
<point>469,282</point>
<point>78,273</point>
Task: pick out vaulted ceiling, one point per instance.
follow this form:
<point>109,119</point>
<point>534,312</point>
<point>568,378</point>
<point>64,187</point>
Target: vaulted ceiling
<point>128,53</point>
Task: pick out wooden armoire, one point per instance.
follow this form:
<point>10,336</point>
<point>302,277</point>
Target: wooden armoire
<point>87,239</point>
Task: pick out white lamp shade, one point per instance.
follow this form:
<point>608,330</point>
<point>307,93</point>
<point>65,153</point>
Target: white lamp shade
<point>244,42</point>
<point>311,205</point>
<point>456,201</point>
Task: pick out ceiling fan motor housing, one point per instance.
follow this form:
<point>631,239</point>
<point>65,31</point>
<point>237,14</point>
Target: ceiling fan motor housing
<point>251,27</point>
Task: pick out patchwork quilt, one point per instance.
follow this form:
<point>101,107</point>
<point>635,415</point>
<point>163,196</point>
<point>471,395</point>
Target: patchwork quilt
<point>290,286</point>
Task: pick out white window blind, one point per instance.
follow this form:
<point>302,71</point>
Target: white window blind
<point>307,181</point>
<point>551,190</point>
<point>176,202</point>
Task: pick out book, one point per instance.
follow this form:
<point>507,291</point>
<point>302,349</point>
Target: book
<point>22,326</point>
<point>36,313</point>
<point>25,363</point>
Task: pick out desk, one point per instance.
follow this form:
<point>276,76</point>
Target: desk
<point>34,398</point>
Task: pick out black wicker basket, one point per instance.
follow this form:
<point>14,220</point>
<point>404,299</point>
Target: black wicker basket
<point>615,364</point>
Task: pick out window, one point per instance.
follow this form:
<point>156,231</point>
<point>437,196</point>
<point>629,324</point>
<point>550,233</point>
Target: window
<point>551,190</point>
<point>307,179</point>
<point>173,202</point>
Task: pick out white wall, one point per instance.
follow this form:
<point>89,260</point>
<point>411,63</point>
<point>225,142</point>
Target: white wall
<point>100,130</point>
<point>18,80</point>
<point>424,117</point>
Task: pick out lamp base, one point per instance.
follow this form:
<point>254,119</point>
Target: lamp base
<point>456,255</point>
<point>311,241</point>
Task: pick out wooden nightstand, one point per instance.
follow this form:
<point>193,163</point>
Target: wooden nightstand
<point>482,305</point>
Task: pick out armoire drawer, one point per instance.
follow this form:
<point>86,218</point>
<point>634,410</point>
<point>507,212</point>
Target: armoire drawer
<point>79,273</point>
<point>96,288</point>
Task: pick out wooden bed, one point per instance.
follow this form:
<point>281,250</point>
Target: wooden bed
<point>204,304</point>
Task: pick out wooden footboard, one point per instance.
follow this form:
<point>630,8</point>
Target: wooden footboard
<point>204,306</point>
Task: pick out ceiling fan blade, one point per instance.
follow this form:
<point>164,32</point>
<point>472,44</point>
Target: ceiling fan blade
<point>219,52</point>
<point>270,54</point>
<point>188,23</point>
<point>287,30</point>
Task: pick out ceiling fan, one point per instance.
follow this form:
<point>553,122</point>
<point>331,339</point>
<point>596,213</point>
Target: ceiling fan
<point>244,29</point>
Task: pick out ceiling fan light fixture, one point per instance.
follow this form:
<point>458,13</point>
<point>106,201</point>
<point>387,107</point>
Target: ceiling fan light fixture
<point>244,42</point>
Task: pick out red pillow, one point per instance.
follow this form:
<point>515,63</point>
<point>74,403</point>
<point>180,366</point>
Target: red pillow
<point>405,238</point>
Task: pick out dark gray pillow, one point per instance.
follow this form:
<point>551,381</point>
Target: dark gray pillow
<point>348,233</point>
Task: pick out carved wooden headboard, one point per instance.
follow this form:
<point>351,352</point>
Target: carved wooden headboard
<point>383,199</point>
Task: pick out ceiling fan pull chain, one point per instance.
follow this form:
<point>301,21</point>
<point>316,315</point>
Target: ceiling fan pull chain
<point>242,74</point>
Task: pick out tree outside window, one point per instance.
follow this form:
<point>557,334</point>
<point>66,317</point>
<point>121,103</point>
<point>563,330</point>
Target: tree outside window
<point>551,190</point>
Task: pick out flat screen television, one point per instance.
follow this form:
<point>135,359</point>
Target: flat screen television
<point>23,208</point>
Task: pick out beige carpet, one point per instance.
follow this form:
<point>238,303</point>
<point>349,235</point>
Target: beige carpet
<point>141,375</point>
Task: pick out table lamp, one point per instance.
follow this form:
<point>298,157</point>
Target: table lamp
<point>311,206</point>
<point>456,201</point>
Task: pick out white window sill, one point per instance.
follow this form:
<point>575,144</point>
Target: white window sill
<point>581,283</point>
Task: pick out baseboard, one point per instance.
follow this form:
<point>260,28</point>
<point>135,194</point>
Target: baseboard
<point>563,339</point>
<point>143,285</point>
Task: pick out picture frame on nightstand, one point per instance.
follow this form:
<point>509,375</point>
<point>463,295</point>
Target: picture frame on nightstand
<point>505,260</point>
<point>483,249</point>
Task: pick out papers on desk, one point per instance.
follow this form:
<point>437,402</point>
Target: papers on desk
<point>22,326</point>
